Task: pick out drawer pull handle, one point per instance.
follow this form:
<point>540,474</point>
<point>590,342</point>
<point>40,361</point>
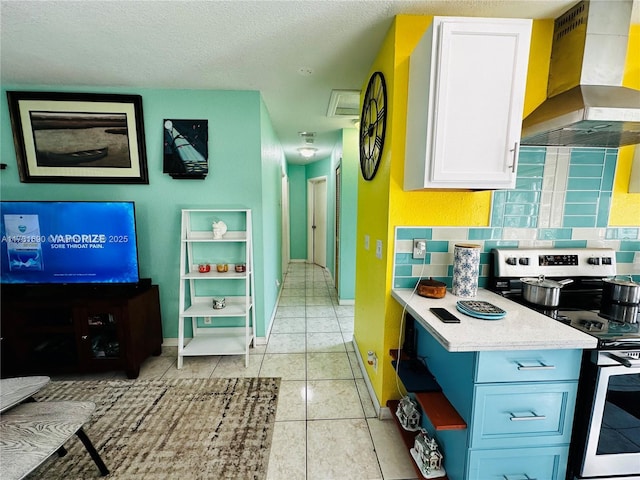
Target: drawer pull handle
<point>540,366</point>
<point>526,477</point>
<point>533,416</point>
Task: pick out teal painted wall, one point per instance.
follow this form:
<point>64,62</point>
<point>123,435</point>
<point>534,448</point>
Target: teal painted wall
<point>237,158</point>
<point>348,215</point>
<point>270,250</point>
<point>297,211</point>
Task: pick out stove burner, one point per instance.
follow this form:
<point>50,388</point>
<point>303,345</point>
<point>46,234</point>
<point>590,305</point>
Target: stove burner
<point>591,325</point>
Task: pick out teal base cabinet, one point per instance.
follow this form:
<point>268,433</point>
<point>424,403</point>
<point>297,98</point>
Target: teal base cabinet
<point>518,463</point>
<point>518,406</point>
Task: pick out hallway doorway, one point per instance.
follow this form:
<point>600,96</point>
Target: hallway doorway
<point>317,221</point>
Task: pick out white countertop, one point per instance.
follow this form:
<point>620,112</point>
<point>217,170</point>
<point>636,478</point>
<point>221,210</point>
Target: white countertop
<point>521,329</point>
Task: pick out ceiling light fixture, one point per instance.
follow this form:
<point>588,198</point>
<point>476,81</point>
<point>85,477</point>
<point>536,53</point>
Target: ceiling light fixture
<point>307,152</point>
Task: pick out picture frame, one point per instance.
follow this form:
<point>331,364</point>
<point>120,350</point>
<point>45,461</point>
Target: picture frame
<point>64,137</point>
<point>186,148</point>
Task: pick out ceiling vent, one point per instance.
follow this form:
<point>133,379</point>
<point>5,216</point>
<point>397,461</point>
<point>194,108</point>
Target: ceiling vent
<point>308,137</point>
<point>344,103</point>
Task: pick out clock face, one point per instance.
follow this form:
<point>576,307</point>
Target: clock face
<point>373,125</point>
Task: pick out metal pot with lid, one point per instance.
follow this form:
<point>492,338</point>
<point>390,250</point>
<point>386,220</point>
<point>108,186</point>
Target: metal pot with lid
<point>620,299</point>
<point>621,290</point>
<point>542,291</point>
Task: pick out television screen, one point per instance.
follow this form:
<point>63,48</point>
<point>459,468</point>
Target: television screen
<point>68,242</point>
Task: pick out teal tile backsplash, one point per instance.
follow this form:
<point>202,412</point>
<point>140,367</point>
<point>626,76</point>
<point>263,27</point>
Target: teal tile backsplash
<point>562,199</point>
<point>579,182</point>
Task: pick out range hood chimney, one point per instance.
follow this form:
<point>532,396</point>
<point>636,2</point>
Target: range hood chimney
<point>587,106</point>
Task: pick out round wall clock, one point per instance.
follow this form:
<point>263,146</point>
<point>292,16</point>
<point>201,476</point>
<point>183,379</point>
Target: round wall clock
<point>373,123</point>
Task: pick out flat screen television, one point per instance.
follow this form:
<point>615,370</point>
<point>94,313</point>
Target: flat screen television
<point>50,242</point>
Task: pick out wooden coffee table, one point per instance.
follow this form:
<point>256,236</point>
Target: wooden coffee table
<point>31,432</point>
<point>16,390</point>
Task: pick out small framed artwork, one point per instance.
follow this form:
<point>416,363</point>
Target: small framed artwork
<point>186,148</point>
<point>78,137</point>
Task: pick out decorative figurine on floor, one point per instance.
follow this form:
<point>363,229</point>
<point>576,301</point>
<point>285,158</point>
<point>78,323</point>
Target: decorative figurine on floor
<point>408,414</point>
<point>427,456</point>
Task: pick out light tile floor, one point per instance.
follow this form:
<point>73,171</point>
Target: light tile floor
<point>326,426</point>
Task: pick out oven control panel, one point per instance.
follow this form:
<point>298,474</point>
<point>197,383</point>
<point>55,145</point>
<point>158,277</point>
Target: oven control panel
<point>554,262</point>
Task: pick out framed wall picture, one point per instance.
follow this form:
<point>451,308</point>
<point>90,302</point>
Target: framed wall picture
<point>78,137</point>
<point>186,148</point>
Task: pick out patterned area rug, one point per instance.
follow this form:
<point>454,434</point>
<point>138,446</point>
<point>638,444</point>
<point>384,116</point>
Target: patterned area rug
<point>170,429</point>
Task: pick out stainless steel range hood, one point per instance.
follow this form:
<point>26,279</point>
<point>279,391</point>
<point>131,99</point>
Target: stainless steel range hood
<point>587,104</point>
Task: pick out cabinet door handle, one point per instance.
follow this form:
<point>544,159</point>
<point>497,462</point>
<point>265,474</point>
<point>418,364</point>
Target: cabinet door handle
<point>540,366</point>
<point>526,477</point>
<point>533,416</point>
<point>515,157</point>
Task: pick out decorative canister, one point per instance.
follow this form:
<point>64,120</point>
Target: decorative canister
<point>466,269</point>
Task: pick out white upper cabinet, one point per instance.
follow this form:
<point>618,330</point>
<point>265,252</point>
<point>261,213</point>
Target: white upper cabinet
<point>467,81</point>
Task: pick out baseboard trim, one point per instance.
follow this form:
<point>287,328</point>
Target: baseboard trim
<point>383,412</point>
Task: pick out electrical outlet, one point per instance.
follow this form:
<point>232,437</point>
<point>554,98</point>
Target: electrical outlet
<point>372,359</point>
<point>419,248</point>
<point>207,320</point>
<point>379,248</point>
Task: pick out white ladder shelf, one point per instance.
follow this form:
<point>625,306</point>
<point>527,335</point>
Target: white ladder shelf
<point>227,330</point>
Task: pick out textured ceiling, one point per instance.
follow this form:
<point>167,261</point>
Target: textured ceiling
<point>293,52</point>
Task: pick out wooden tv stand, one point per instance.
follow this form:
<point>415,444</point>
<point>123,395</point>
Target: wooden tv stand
<point>73,329</point>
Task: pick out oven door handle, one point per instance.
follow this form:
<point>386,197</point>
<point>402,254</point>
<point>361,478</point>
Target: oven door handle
<point>622,361</point>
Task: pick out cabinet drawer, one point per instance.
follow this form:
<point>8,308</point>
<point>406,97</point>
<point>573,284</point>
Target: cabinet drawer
<point>528,365</point>
<point>543,463</point>
<point>522,415</point>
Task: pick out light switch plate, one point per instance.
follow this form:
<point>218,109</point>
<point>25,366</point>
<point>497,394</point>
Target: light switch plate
<point>379,248</point>
<point>366,242</point>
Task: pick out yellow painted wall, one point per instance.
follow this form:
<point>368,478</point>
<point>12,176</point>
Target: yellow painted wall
<point>383,205</point>
<point>372,273</point>
<point>625,206</point>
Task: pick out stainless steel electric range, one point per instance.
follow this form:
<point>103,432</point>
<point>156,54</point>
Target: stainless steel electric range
<point>606,433</point>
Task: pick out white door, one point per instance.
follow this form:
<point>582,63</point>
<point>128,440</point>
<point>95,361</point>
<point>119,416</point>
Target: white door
<point>317,221</point>
<point>286,248</point>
